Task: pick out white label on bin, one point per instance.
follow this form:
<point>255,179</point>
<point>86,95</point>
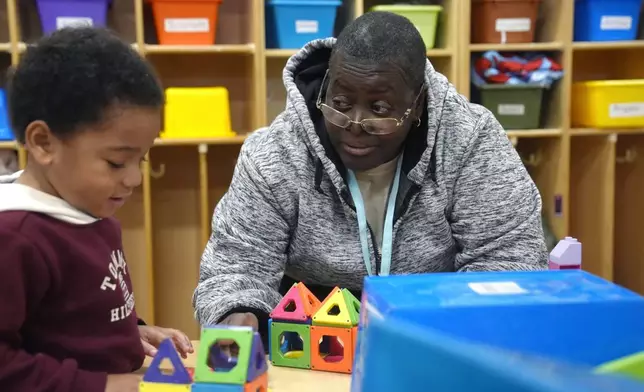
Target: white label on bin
<point>73,21</point>
<point>626,110</point>
<point>511,109</point>
<point>186,25</point>
<point>307,26</point>
<point>497,288</point>
<point>616,23</point>
<point>513,25</point>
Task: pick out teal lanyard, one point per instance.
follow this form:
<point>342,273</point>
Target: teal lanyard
<point>388,229</point>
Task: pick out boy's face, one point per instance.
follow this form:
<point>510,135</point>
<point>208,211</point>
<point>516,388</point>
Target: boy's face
<point>97,168</point>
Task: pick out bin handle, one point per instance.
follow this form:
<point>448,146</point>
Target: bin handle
<point>630,155</point>
<point>534,160</point>
<point>160,172</point>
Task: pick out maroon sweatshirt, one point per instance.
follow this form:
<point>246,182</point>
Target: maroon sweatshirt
<point>67,315</point>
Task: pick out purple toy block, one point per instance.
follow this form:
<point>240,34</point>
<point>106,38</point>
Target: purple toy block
<point>154,374</point>
<point>257,363</point>
<point>220,361</point>
<point>566,255</point>
<point>56,14</point>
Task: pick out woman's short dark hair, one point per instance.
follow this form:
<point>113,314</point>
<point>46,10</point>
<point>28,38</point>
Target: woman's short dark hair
<point>384,37</point>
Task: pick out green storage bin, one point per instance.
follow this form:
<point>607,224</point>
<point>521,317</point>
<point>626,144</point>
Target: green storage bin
<point>424,17</point>
<point>515,106</point>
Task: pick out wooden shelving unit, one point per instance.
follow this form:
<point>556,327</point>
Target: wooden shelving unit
<point>589,179</point>
<point>592,181</point>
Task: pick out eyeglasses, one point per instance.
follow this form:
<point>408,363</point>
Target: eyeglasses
<point>374,126</point>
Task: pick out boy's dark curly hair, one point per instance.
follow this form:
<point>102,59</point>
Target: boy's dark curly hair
<point>71,77</point>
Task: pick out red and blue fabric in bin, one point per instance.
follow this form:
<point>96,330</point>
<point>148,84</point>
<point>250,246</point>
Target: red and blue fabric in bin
<point>5,127</point>
<point>533,69</point>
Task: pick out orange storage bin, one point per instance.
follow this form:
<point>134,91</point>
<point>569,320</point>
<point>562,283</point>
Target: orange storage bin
<point>186,22</point>
<point>503,21</point>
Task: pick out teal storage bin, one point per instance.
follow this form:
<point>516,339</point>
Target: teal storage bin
<point>291,24</point>
<point>5,129</point>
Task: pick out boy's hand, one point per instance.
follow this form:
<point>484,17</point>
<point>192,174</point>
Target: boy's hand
<point>123,383</point>
<point>151,337</point>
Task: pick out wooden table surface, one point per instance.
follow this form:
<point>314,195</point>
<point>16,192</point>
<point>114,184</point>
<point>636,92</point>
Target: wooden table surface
<point>281,379</point>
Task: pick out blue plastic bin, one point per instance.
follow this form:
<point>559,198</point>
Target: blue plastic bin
<point>291,24</point>
<point>504,331</point>
<point>5,128</point>
<point>607,20</point>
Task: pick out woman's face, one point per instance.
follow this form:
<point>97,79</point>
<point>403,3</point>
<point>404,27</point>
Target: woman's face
<point>365,91</point>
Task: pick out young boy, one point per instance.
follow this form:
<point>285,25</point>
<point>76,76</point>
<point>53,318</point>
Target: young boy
<point>87,109</point>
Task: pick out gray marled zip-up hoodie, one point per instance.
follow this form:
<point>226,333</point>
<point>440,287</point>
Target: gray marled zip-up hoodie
<point>465,202</point>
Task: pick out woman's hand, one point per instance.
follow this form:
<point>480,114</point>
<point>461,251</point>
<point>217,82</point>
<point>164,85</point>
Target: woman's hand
<point>238,319</point>
<point>123,383</point>
<point>242,319</point>
<point>151,338</point>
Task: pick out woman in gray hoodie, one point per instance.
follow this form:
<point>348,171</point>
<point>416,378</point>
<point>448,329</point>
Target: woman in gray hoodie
<point>377,166</point>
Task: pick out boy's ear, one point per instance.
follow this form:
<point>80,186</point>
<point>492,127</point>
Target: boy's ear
<point>40,142</point>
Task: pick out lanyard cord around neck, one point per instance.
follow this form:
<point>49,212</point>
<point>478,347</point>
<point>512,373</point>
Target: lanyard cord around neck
<point>388,229</point>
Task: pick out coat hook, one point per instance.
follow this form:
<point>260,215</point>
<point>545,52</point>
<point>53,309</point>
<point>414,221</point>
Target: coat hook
<point>630,155</point>
<point>160,172</point>
<point>534,160</point>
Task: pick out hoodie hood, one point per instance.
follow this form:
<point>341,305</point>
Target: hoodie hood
<point>18,197</point>
<point>303,77</point>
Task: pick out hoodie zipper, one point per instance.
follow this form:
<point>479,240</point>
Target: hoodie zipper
<point>346,198</point>
<point>376,251</point>
<point>374,245</point>
<point>406,201</point>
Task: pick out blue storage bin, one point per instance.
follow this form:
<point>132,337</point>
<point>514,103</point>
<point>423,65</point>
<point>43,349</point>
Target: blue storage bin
<point>607,20</point>
<point>5,128</point>
<point>496,331</point>
<point>291,24</point>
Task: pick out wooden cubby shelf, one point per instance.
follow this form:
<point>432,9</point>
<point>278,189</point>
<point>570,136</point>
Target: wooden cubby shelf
<point>591,180</point>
